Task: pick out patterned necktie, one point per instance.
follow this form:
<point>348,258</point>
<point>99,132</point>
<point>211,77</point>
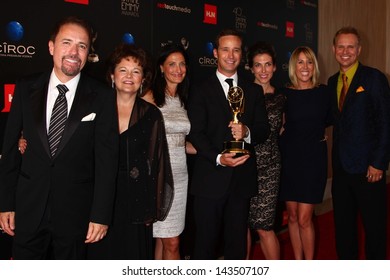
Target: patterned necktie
<point>58,119</point>
<point>343,92</point>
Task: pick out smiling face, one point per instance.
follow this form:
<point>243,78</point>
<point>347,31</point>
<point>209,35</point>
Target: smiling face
<point>174,68</point>
<point>304,70</point>
<point>229,54</point>
<point>128,76</point>
<point>346,50</point>
<point>263,68</point>
<point>69,51</point>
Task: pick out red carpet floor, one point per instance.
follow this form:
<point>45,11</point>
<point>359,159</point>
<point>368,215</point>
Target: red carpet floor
<point>325,242</point>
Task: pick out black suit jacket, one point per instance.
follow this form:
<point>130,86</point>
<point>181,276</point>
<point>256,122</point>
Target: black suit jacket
<point>361,134</point>
<point>78,184</point>
<point>209,113</point>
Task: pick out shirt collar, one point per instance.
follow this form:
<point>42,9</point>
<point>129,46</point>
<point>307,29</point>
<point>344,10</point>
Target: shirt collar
<point>221,77</point>
<point>71,84</point>
<point>350,72</point>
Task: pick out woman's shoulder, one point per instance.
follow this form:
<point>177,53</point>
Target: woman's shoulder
<point>146,104</point>
<point>149,97</point>
<point>285,89</point>
<point>279,94</point>
<point>321,88</point>
<point>146,109</point>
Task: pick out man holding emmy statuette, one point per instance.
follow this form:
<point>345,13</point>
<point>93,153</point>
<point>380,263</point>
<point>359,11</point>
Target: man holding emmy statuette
<point>224,176</point>
<point>235,97</point>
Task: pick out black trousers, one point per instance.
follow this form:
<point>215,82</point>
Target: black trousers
<point>47,243</point>
<point>353,196</point>
<point>219,219</point>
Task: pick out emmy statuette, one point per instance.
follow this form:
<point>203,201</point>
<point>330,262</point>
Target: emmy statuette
<point>235,98</point>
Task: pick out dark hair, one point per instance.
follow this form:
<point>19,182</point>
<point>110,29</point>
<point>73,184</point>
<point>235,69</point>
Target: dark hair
<point>71,20</point>
<point>226,32</point>
<point>261,47</point>
<point>124,50</point>
<point>160,83</point>
<point>347,30</point>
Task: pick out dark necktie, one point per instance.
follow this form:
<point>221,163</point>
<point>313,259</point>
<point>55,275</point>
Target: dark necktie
<point>230,82</point>
<point>343,92</point>
<point>58,119</point>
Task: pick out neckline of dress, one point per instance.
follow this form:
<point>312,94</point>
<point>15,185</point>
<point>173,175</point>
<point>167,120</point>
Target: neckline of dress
<point>170,96</point>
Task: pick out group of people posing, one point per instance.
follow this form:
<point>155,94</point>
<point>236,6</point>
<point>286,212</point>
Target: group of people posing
<point>90,171</point>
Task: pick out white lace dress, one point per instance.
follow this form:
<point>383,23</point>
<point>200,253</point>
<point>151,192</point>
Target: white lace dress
<point>177,126</point>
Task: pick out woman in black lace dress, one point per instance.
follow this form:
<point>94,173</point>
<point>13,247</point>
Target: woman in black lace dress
<point>261,59</point>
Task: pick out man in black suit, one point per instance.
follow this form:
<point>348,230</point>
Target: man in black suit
<point>361,149</point>
<point>222,183</point>
<point>54,201</point>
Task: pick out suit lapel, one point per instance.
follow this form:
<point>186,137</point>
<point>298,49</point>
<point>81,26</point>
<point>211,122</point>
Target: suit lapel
<point>242,86</point>
<point>81,104</point>
<point>333,86</point>
<point>38,108</point>
<point>221,98</point>
<point>353,86</point>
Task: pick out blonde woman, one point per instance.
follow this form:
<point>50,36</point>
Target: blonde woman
<point>303,149</point>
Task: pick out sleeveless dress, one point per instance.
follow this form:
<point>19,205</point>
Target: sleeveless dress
<point>177,126</point>
<point>302,145</point>
<point>262,209</point>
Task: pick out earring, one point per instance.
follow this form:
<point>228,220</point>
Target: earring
<point>140,90</point>
<point>112,84</point>
<point>162,74</point>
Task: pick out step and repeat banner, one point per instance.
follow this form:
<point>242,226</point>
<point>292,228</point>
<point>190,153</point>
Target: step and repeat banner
<point>25,26</point>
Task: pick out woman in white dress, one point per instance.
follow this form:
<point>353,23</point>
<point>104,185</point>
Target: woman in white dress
<point>170,95</point>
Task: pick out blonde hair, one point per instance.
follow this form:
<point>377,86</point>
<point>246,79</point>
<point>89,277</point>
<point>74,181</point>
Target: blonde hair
<point>292,65</point>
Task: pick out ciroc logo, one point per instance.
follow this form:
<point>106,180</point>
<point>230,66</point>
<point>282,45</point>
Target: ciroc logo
<point>128,39</point>
<point>208,59</point>
<point>15,33</point>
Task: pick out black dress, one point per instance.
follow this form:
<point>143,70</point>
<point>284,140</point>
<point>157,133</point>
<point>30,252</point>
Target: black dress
<point>263,206</point>
<point>144,188</point>
<point>302,145</point>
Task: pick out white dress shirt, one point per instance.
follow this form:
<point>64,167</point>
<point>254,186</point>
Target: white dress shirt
<point>52,94</point>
